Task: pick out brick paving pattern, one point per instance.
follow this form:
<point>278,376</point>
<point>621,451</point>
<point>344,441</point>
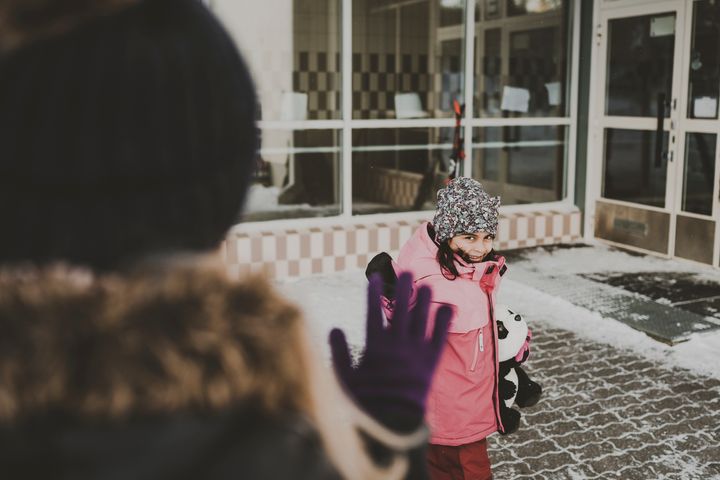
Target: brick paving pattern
<point>607,413</point>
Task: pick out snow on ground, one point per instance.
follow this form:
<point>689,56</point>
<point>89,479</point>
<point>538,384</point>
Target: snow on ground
<point>263,199</point>
<point>339,301</point>
<point>700,354</point>
<point>599,257</point>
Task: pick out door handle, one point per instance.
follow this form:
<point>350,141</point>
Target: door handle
<point>659,129</point>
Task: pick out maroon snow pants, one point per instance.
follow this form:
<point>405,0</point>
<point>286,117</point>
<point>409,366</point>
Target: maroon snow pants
<point>464,462</point>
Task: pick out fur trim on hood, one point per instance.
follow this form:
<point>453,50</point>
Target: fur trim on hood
<point>150,341</point>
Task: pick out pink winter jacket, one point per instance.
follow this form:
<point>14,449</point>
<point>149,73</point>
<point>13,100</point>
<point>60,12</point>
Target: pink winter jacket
<point>463,402</point>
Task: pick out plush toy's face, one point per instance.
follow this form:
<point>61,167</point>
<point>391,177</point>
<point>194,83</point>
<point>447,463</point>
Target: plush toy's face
<point>512,332</point>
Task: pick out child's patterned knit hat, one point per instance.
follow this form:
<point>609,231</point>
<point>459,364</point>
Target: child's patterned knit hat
<point>464,207</point>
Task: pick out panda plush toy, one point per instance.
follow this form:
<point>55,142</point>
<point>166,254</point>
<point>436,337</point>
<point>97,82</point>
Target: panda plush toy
<point>514,386</point>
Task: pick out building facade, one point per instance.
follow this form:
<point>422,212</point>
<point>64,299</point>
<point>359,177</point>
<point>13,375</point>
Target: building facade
<point>595,119</point>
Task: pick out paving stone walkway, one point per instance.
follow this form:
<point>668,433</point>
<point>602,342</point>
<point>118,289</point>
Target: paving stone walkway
<point>610,414</point>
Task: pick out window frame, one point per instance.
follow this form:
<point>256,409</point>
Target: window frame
<point>347,124</point>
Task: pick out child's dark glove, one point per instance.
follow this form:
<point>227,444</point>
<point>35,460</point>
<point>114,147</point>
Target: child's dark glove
<point>392,379</point>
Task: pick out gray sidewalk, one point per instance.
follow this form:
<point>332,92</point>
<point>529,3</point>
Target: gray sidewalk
<point>610,412</point>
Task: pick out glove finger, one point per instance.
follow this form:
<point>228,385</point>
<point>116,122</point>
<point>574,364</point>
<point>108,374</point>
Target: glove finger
<point>402,301</point>
<point>440,331</point>
<point>374,321</point>
<point>340,354</point>
<point>419,315</point>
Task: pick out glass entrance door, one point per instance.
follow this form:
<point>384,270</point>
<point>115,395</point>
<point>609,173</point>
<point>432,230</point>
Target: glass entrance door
<point>655,129</point>
<point>696,208</point>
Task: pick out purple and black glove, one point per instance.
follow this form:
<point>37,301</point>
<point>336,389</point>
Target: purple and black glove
<point>392,379</point>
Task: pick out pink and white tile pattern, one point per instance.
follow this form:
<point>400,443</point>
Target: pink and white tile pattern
<point>283,253</point>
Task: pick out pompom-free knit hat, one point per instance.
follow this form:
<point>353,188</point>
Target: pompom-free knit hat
<point>464,207</point>
<point>126,131</point>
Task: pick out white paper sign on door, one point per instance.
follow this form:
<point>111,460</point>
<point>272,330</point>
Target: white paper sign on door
<point>553,89</point>
<point>705,107</point>
<point>515,99</point>
<point>662,26</point>
<point>293,106</point>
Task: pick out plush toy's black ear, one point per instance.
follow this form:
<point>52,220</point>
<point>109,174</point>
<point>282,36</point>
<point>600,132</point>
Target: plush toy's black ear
<point>382,264</point>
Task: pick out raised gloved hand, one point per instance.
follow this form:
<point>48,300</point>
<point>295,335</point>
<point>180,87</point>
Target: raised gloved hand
<point>392,379</point>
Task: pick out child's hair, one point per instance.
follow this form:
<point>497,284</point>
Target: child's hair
<point>446,256</point>
<point>446,259</point>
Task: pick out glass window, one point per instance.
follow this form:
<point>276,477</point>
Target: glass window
<point>635,171</point>
<point>399,169</point>
<point>705,61</point>
<point>525,7</point>
<point>640,65</point>
<point>524,164</point>
<point>293,54</point>
<point>401,67</point>
<point>514,76</point>
<point>698,184</point>
<point>297,174</point>
<point>406,61</point>
<point>452,12</point>
<point>490,79</point>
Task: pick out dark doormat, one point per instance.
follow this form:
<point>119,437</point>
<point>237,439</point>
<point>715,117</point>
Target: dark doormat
<point>687,291</point>
<point>667,305</point>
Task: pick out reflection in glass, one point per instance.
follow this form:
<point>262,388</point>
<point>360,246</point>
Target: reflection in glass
<point>296,175</point>
<point>296,62</point>
<point>490,89</point>
<point>524,7</point>
<point>634,171</point>
<point>523,164</point>
<point>640,65</point>
<point>523,64</point>
<point>399,169</point>
<point>452,12</point>
<point>704,91</point>
<point>451,74</point>
<point>699,173</point>
<point>396,52</point>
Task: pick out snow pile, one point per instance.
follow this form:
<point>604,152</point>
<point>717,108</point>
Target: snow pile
<point>265,199</point>
<point>339,301</point>
<point>601,258</point>
<point>261,198</point>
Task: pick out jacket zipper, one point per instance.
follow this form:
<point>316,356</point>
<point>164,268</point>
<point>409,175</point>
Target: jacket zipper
<point>495,361</point>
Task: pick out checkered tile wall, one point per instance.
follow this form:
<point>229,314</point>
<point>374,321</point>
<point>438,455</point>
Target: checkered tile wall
<point>377,77</point>
<point>286,253</point>
<point>318,75</point>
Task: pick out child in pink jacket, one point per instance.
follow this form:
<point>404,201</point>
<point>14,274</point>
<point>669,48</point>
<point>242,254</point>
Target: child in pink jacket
<point>454,256</point>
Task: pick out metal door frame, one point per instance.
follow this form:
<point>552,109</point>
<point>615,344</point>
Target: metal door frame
<point>677,125</point>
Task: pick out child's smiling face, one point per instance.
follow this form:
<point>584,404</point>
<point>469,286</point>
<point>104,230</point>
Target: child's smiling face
<point>472,247</point>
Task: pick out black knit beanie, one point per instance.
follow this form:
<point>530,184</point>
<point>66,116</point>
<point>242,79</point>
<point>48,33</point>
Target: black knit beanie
<point>127,134</point>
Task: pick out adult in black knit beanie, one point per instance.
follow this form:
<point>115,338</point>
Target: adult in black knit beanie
<point>122,134</point>
<point>127,140</point>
